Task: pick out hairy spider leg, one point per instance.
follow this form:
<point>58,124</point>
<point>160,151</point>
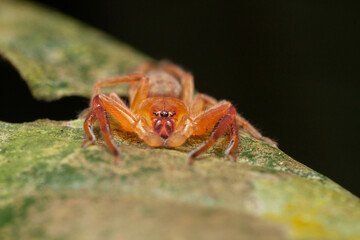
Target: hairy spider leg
<point>116,98</point>
<point>242,122</point>
<point>202,100</point>
<point>140,95</point>
<point>120,112</point>
<point>129,122</point>
<point>116,80</point>
<point>89,121</point>
<point>222,116</point>
<point>100,104</point>
<point>99,113</point>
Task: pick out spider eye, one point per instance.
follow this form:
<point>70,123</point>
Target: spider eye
<point>164,114</point>
<point>172,114</point>
<point>156,113</point>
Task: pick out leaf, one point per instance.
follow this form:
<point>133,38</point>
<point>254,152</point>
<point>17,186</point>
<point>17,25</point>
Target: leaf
<point>52,188</point>
<point>58,56</point>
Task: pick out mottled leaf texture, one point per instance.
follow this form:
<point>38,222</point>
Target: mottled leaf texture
<point>58,56</point>
<point>50,188</point>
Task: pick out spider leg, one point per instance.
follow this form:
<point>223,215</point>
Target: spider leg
<point>142,69</point>
<point>140,94</point>
<point>86,112</point>
<point>223,116</point>
<point>98,112</point>
<point>242,122</point>
<point>201,100</point>
<point>102,105</point>
<point>119,111</point>
<point>187,88</point>
<point>111,81</point>
<point>89,121</point>
<point>112,104</point>
<point>129,122</point>
<point>117,99</point>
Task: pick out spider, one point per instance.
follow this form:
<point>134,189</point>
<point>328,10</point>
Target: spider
<point>164,111</point>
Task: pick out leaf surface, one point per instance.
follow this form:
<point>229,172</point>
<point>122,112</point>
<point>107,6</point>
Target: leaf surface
<point>58,56</point>
<point>52,188</point>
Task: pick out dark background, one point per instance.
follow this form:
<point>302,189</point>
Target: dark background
<point>291,67</point>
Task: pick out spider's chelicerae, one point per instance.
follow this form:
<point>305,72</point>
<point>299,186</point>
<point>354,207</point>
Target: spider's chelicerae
<point>164,112</point>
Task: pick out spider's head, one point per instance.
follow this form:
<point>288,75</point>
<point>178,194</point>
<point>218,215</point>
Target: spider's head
<point>162,114</point>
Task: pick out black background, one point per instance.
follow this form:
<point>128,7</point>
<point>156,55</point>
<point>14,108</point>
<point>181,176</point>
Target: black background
<point>291,67</point>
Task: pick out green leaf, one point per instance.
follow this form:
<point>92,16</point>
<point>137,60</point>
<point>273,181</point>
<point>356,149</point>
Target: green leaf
<point>58,56</point>
<point>51,188</point>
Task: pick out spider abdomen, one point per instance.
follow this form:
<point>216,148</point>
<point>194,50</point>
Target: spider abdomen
<point>163,84</point>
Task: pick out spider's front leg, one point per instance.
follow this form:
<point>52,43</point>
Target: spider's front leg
<point>201,100</point>
<point>102,104</point>
<point>222,116</point>
<point>98,112</point>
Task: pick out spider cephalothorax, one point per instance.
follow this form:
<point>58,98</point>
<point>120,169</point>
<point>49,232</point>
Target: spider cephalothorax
<point>164,112</point>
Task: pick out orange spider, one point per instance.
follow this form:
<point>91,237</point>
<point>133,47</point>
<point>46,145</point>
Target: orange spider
<point>163,111</point>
